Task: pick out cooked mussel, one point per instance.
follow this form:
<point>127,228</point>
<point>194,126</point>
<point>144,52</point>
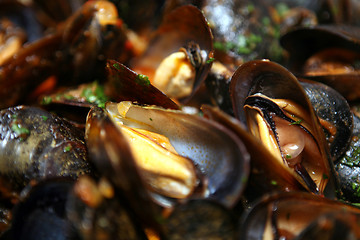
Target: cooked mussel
<point>76,53</point>
<point>179,155</point>
<point>292,215</point>
<point>123,84</point>
<point>36,144</point>
<point>347,166</point>
<point>41,213</point>
<point>328,54</point>
<point>273,105</point>
<point>178,57</point>
<point>334,114</point>
<point>98,211</point>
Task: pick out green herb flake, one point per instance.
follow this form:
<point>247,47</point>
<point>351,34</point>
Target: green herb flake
<point>281,9</point>
<point>58,97</point>
<point>46,101</point>
<point>287,156</point>
<point>356,188</point>
<point>117,66</point>
<point>250,7</point>
<point>266,21</point>
<point>68,97</point>
<point>296,122</point>
<point>101,105</point>
<point>356,205</point>
<point>247,44</point>
<point>19,130</point>
<point>142,79</point>
<point>68,148</point>
<point>273,182</point>
<point>95,94</point>
<point>210,60</point>
<point>220,46</point>
<point>325,176</point>
<point>150,119</point>
<point>44,118</point>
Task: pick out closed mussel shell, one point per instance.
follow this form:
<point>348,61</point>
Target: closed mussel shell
<point>36,144</point>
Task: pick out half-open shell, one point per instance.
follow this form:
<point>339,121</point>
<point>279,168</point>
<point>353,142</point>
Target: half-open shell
<point>219,159</point>
<point>270,101</point>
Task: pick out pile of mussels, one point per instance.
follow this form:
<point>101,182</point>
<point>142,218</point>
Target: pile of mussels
<point>208,119</point>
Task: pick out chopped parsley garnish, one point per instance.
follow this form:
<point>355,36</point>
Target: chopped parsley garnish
<point>288,156</point>
<point>325,176</point>
<point>142,79</point>
<point>95,94</point>
<point>356,188</point>
<point>250,7</point>
<point>46,100</point>
<point>245,44</point>
<point>68,97</point>
<point>281,9</point>
<point>19,130</point>
<point>44,118</point>
<point>67,148</point>
<point>296,122</point>
<point>210,60</point>
<point>273,182</point>
<point>117,66</point>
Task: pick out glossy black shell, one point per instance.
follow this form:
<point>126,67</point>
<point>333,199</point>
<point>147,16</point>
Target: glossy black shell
<point>35,144</point>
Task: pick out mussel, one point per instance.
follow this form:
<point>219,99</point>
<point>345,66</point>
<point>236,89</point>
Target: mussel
<point>195,148</point>
<point>35,145</point>
<point>179,55</point>
<point>296,215</point>
<point>74,54</point>
<point>334,114</point>
<point>273,105</point>
<point>328,54</point>
<point>41,213</point>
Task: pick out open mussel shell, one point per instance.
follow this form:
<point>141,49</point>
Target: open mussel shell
<point>76,53</point>
<point>261,179</point>
<point>258,86</point>
<point>291,215</point>
<point>184,25</point>
<point>215,152</point>
<point>336,46</point>
<point>112,157</point>
<point>303,42</point>
<point>332,226</point>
